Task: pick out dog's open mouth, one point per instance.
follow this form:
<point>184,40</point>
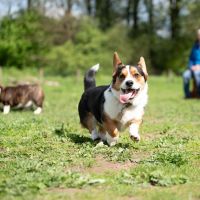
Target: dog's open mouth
<point>128,94</point>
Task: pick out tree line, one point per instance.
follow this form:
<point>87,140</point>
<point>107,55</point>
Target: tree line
<point>165,29</point>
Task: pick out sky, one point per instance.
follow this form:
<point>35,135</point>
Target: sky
<point>13,6</point>
<point>16,5</point>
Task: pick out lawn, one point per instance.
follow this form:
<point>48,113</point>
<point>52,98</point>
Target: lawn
<point>51,157</point>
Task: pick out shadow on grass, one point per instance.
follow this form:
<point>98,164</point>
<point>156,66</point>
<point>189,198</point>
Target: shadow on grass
<point>18,110</point>
<point>79,139</point>
<point>63,132</point>
<point>125,145</point>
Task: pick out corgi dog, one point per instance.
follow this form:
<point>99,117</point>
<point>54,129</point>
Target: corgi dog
<point>106,110</point>
<point>22,96</point>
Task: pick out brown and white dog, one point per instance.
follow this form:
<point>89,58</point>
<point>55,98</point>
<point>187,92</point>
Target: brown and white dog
<point>116,106</point>
<point>22,96</point>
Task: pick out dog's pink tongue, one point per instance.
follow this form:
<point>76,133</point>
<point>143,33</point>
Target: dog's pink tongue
<point>125,97</point>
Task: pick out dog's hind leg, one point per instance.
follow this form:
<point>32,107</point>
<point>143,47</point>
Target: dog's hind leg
<point>94,134</point>
<point>6,109</point>
<point>90,123</point>
<point>38,100</point>
<point>112,134</point>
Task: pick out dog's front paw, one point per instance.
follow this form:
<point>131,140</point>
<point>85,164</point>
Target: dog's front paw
<point>135,137</point>
<point>134,132</point>
<point>112,141</point>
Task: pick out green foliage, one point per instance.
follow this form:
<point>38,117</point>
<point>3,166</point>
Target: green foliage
<point>170,157</point>
<point>21,41</point>
<point>170,55</point>
<point>69,45</point>
<point>86,49</point>
<point>90,46</point>
<point>153,177</point>
<point>32,181</point>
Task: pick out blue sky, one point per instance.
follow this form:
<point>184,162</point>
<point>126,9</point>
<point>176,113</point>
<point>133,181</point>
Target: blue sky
<point>14,5</point>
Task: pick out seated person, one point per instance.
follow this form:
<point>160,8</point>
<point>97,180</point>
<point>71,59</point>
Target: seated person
<point>193,70</point>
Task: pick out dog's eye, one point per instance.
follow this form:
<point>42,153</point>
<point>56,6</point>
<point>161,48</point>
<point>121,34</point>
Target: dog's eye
<point>121,76</point>
<point>136,75</point>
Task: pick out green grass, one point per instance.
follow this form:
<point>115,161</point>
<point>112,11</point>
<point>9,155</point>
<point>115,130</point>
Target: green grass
<point>51,157</point>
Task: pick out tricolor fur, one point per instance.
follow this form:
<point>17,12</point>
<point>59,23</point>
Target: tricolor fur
<point>106,110</point>
<point>22,96</point>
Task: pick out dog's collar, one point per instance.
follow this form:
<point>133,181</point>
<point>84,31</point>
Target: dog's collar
<point>127,105</point>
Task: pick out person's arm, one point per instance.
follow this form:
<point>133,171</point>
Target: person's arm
<point>191,59</point>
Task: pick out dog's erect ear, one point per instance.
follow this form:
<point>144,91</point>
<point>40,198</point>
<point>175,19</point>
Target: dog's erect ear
<point>116,61</point>
<point>142,65</point>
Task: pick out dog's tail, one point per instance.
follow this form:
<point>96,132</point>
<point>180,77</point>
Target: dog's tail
<point>89,78</point>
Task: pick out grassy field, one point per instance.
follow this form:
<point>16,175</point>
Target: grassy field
<point>51,157</point>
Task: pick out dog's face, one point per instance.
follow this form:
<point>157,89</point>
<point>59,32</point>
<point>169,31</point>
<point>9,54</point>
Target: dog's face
<point>128,80</point>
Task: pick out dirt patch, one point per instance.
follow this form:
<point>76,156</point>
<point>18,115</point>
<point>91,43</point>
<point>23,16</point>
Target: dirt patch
<point>101,165</point>
<point>2,149</point>
<point>151,136</point>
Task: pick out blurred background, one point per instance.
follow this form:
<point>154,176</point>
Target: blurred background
<point>65,37</point>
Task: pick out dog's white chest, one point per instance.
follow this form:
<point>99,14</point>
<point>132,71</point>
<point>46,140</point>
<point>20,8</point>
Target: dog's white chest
<point>120,112</point>
<point>112,107</point>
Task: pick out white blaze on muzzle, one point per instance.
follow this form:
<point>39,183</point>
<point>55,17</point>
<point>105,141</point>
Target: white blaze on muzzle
<point>128,92</point>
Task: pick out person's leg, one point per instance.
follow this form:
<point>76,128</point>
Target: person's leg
<point>187,75</point>
<point>197,80</point>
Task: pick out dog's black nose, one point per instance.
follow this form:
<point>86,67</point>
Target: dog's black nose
<point>129,83</point>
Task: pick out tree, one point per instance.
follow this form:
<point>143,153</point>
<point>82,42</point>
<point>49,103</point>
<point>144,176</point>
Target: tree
<point>29,4</point>
<point>69,7</point>
<point>175,8</point>
<point>135,4</point>
<point>104,12</point>
<point>151,29</point>
<point>38,5</point>
<point>132,14</point>
<point>150,9</point>
<point>88,7</point>
<point>128,12</point>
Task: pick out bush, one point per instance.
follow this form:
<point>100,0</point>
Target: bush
<point>22,41</point>
<point>86,49</point>
<point>91,46</point>
<point>69,45</point>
